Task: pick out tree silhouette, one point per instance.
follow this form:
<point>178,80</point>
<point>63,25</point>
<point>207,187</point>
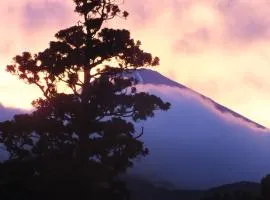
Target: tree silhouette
<point>76,143</point>
<point>265,187</point>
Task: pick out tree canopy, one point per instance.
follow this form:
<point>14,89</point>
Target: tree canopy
<point>75,143</point>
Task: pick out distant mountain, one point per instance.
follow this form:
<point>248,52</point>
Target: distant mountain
<point>8,113</point>
<point>243,186</point>
<point>5,114</point>
<point>143,190</point>
<point>198,143</point>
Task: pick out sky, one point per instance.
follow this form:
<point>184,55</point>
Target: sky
<point>220,48</point>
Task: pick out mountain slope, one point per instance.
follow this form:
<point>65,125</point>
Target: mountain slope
<point>199,144</point>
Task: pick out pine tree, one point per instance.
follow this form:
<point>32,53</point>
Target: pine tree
<point>76,143</point>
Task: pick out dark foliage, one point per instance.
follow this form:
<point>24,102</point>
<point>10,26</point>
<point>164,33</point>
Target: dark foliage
<point>265,187</point>
<point>76,143</point>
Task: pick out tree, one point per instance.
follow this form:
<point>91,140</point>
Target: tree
<point>76,143</point>
<point>265,187</point>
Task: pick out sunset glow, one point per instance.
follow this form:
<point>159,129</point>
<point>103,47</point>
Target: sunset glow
<point>220,48</point>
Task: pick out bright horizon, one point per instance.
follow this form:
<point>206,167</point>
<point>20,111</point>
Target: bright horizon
<point>218,48</point>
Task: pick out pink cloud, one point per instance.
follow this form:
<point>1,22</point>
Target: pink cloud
<point>246,20</point>
<point>37,16</point>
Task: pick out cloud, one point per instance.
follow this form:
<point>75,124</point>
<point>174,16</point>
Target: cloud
<point>193,42</point>
<point>245,20</point>
<point>195,146</point>
<point>32,24</point>
<point>39,15</point>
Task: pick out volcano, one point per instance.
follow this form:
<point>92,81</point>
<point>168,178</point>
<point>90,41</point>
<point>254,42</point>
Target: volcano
<point>198,143</point>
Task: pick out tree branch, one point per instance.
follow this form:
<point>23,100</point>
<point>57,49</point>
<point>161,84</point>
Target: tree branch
<point>140,135</point>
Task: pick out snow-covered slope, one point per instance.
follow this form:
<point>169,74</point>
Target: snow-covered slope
<point>199,143</point>
<point>146,76</point>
